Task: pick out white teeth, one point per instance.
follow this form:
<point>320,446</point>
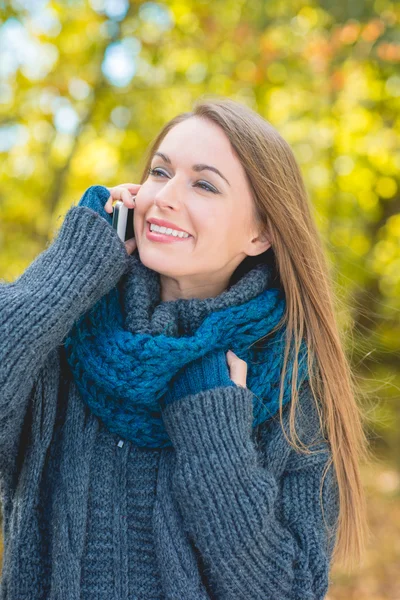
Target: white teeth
<point>168,231</point>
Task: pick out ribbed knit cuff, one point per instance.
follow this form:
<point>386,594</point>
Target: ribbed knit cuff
<point>207,372</point>
<point>220,418</point>
<point>84,242</point>
<point>84,262</point>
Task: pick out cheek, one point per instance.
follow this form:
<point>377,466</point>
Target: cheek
<point>227,236</point>
<point>218,237</point>
<point>143,204</point>
<point>214,227</point>
<point>143,194</point>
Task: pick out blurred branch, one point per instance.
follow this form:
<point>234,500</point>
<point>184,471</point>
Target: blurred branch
<point>61,174</point>
<point>367,312</point>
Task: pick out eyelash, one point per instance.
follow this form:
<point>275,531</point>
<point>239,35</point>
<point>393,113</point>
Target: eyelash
<point>156,172</point>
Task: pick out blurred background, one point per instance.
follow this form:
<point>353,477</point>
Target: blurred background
<point>86,85</point>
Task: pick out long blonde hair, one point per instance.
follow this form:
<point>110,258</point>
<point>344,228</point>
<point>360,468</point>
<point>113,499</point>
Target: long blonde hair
<point>282,207</point>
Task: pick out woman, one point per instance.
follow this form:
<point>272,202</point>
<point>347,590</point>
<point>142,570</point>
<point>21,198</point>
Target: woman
<point>153,390</point>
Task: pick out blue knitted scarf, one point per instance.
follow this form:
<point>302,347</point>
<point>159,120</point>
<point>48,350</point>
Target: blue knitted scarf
<point>122,370</point>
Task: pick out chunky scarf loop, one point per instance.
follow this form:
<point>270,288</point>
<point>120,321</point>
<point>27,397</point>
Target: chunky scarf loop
<point>122,369</point>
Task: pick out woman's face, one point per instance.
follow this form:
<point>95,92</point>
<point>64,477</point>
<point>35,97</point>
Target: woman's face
<point>215,209</point>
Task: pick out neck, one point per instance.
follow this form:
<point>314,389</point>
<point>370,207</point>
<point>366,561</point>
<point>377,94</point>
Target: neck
<point>171,289</point>
<point>201,287</point>
<point>146,310</point>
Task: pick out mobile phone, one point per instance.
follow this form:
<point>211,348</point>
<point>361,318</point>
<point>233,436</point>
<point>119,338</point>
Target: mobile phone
<point>123,221</point>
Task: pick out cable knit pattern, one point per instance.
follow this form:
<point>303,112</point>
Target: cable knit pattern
<point>229,511</point>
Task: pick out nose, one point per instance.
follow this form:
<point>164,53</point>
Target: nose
<point>169,196</point>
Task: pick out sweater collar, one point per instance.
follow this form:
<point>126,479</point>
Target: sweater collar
<point>145,312</point>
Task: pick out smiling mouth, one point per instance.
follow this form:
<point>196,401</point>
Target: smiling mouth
<point>156,236</point>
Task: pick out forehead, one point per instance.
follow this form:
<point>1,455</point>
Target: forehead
<point>198,140</point>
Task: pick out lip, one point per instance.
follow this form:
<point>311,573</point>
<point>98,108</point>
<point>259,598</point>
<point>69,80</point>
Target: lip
<point>154,236</point>
<point>163,223</point>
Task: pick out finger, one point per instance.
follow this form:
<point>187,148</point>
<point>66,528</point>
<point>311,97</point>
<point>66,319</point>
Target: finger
<point>130,245</point>
<point>108,207</point>
<point>232,358</point>
<point>119,192</point>
<point>115,194</point>
<point>132,187</point>
<point>127,198</point>
<point>237,368</point>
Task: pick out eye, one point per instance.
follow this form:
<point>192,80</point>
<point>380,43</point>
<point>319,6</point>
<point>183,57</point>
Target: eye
<point>206,187</point>
<point>155,172</point>
<point>203,185</point>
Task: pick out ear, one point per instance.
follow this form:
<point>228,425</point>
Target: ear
<point>259,244</point>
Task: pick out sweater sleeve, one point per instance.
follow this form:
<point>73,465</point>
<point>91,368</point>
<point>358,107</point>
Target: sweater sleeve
<point>254,516</point>
<point>37,310</point>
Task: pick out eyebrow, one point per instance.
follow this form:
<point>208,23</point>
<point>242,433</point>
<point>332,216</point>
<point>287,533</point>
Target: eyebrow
<point>197,168</point>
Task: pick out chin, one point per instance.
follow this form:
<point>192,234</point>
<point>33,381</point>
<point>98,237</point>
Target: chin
<point>151,262</point>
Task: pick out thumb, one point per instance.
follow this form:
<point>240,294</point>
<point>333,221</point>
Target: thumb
<point>130,245</point>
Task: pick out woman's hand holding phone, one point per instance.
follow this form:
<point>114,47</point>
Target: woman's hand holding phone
<point>126,193</point>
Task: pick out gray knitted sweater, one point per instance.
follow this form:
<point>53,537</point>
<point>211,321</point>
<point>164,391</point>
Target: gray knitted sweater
<point>229,512</point>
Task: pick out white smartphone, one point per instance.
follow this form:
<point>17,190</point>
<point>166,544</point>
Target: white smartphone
<point>123,221</point>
